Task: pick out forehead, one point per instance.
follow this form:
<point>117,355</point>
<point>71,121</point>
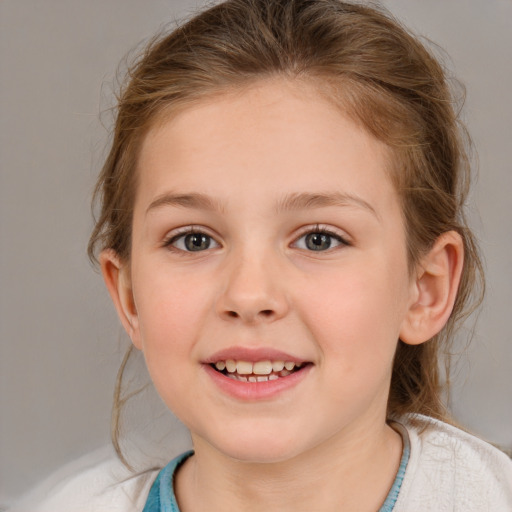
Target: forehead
<point>275,133</point>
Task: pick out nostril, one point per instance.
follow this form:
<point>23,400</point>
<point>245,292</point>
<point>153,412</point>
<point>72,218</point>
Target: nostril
<point>250,316</point>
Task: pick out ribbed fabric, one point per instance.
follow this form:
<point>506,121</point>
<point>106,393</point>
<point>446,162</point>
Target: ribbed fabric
<point>161,496</point>
<point>392,496</point>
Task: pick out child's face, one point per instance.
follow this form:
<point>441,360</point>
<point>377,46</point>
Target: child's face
<point>255,176</point>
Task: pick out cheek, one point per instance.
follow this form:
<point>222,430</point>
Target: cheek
<point>171,309</point>
<point>356,313</point>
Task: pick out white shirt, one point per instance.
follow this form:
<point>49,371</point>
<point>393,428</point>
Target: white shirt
<point>448,470</point>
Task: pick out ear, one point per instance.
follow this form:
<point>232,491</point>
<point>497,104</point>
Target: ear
<point>116,275</point>
<point>434,289</point>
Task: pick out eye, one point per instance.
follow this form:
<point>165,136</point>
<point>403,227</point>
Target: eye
<point>192,241</point>
<point>319,239</point>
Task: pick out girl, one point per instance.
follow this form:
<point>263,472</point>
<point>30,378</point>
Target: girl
<point>282,235</point>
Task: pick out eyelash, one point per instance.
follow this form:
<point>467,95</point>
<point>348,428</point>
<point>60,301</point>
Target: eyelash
<point>322,230</point>
<point>190,230</point>
<point>193,230</point>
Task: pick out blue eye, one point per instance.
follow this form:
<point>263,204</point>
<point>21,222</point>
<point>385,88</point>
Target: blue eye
<point>319,240</point>
<point>192,242</point>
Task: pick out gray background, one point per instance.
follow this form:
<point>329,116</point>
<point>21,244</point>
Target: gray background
<point>60,344</point>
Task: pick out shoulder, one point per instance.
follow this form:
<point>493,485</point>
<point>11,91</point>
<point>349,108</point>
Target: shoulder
<point>98,482</point>
<point>450,469</point>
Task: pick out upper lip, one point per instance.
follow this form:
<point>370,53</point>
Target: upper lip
<point>252,355</point>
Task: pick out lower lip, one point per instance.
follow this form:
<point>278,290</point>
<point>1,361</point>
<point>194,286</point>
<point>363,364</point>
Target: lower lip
<point>251,391</point>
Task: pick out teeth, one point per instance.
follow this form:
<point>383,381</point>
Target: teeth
<point>244,367</point>
<point>262,368</point>
<point>231,366</point>
<point>277,366</point>
<point>260,371</point>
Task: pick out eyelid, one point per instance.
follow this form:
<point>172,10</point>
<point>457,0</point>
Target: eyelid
<point>323,229</point>
<point>178,233</point>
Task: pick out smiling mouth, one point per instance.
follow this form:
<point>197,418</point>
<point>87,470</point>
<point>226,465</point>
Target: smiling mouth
<point>260,371</point>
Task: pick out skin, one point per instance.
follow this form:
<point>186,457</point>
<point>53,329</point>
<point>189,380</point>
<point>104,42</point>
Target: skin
<point>258,285</point>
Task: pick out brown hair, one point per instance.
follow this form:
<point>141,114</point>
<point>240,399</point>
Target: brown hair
<point>361,59</point>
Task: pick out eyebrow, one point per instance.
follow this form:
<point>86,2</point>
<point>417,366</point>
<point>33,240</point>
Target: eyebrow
<point>321,200</point>
<point>290,202</point>
<point>192,200</point>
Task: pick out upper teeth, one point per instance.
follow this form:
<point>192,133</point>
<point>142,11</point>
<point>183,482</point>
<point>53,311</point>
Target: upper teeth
<point>257,368</point>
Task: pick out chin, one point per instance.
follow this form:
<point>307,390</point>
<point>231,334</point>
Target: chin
<point>256,448</point>
<point>260,455</point>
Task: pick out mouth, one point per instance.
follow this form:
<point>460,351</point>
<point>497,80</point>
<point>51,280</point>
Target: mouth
<point>259,371</point>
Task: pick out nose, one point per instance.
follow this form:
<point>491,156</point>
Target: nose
<point>254,291</point>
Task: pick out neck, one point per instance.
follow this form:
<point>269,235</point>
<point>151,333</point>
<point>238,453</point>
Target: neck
<point>351,472</point>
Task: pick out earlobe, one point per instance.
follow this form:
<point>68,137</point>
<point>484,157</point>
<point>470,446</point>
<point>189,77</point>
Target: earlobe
<point>435,289</point>
<point>118,282</point>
